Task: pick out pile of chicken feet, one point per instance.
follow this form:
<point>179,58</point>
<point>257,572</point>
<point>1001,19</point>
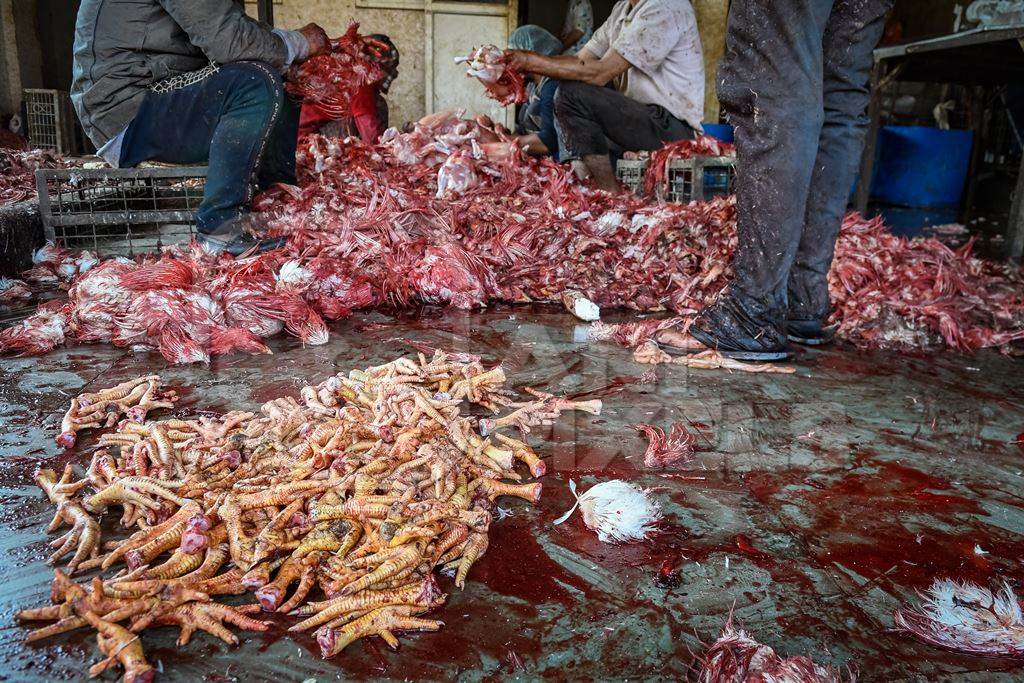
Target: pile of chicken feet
<point>336,507</point>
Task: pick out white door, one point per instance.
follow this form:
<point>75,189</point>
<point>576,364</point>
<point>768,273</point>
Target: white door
<point>452,29</point>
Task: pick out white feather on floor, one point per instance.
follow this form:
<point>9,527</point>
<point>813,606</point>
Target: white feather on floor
<point>617,510</point>
<point>966,617</point>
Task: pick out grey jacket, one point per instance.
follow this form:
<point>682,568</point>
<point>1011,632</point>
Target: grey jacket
<point>122,47</point>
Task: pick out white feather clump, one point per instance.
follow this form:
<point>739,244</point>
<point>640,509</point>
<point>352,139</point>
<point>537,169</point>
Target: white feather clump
<point>617,510</point>
<point>293,274</point>
<point>965,617</point>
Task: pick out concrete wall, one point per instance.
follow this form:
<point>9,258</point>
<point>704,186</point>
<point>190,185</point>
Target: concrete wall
<point>711,20</point>
<point>30,54</point>
<point>20,55</point>
<point>26,28</point>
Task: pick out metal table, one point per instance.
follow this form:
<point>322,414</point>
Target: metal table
<point>985,56</point>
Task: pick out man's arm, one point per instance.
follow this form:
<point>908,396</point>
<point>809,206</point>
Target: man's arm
<point>533,144</point>
<point>581,67</point>
<point>225,34</point>
<point>570,38</point>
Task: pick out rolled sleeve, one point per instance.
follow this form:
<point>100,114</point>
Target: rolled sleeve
<point>598,45</point>
<point>296,45</point>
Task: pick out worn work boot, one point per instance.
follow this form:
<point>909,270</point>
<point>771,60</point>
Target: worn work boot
<point>238,244</point>
<point>677,342</point>
<point>810,332</point>
<point>742,329</point>
<point>236,237</point>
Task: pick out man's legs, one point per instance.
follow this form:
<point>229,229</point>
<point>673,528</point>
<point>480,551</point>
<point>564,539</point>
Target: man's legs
<point>227,121</point>
<point>590,116</point>
<point>770,83</point>
<point>278,165</point>
<point>853,31</point>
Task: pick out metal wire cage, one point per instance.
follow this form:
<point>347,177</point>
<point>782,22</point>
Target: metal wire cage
<point>120,211</point>
<point>50,120</point>
<point>630,173</point>
<point>700,178</point>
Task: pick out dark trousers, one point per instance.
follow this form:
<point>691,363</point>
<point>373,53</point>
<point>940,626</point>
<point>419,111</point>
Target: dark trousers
<point>794,82</point>
<point>239,121</point>
<point>596,120</point>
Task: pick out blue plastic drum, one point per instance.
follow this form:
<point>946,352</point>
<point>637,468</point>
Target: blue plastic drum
<point>923,167</point>
<point>719,131</point>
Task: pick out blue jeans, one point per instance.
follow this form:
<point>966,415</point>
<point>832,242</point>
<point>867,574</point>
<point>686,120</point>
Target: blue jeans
<point>239,122</point>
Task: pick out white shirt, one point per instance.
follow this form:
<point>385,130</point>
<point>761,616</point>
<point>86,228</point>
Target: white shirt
<point>660,41</point>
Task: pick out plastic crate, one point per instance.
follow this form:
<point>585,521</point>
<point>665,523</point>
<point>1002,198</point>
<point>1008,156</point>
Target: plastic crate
<point>50,121</point>
<point>120,211</point>
<point>700,178</point>
<point>630,173</point>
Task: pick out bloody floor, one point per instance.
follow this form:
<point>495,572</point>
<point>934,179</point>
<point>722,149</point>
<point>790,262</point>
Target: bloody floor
<point>820,501</point>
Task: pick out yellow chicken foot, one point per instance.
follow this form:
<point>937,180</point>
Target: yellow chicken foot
<point>380,622</point>
<point>84,536</point>
<point>211,617</point>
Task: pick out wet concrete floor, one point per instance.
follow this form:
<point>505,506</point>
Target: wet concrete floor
<point>819,502</point>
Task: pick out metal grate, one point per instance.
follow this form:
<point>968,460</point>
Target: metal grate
<point>120,211</point>
<point>700,178</point>
<point>631,173</point>
<point>50,120</point>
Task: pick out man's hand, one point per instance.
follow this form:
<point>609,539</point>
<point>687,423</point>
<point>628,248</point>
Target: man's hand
<point>521,60</point>
<point>317,38</point>
<point>490,132</point>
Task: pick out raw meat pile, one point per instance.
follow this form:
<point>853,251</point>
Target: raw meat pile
<point>656,177</point>
<point>490,65</point>
<point>330,81</point>
<point>341,508</point>
<point>890,292</point>
<point>18,172</point>
<point>428,217</point>
<point>13,290</point>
